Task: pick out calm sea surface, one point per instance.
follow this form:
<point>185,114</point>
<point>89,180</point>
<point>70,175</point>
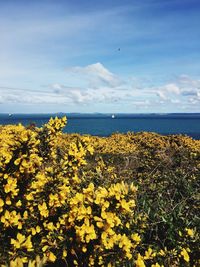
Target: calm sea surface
<point>105,124</point>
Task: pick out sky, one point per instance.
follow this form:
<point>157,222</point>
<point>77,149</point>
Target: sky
<point>103,56</point>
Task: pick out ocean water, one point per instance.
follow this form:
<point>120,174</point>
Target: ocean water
<point>106,124</point>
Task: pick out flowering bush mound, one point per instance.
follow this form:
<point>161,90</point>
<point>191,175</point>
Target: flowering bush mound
<point>72,200</point>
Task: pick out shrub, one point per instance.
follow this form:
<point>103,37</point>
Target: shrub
<point>50,211</point>
<point>71,200</point>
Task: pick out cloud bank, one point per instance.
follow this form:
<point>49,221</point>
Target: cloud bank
<point>102,86</point>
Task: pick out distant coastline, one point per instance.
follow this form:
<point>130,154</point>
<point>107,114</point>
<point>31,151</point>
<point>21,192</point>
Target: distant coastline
<point>98,114</point>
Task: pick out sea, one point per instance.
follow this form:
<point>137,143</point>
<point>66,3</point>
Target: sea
<point>106,124</point>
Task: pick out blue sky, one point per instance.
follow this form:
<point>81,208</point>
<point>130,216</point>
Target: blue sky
<point>100,56</point>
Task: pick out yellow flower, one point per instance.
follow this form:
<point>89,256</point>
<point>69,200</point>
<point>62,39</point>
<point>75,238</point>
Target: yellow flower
<point>76,178</point>
<point>64,253</point>
<point>29,197</point>
<point>8,201</point>
<point>125,205</point>
<point>84,249</point>
<point>18,262</point>
<point>11,219</point>
<point>190,232</point>
<point>75,263</point>
<point>33,231</point>
<point>149,254</point>
<point>17,161</point>
<point>1,204</point>
<point>28,244</point>
<point>50,226</point>
<point>90,149</point>
<point>100,224</point>
<point>19,203</point>
<point>51,257</point>
<point>25,215</point>
<point>136,237</point>
<point>45,248</point>
<point>43,209</point>
<point>11,186</point>
<point>19,241</point>
<point>38,229</point>
<point>162,252</point>
<point>139,262</point>
<point>185,255</point>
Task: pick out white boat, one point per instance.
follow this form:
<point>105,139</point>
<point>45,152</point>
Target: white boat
<point>113,116</point>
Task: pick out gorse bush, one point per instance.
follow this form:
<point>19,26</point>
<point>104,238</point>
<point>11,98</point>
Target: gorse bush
<point>71,200</point>
<point>166,170</point>
<point>48,212</point>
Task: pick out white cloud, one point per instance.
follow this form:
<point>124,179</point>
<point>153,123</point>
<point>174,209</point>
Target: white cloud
<point>165,91</point>
<point>186,81</point>
<point>22,96</point>
<point>141,103</point>
<point>182,90</point>
<point>175,101</point>
<point>97,75</point>
<point>171,88</point>
<point>109,89</point>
